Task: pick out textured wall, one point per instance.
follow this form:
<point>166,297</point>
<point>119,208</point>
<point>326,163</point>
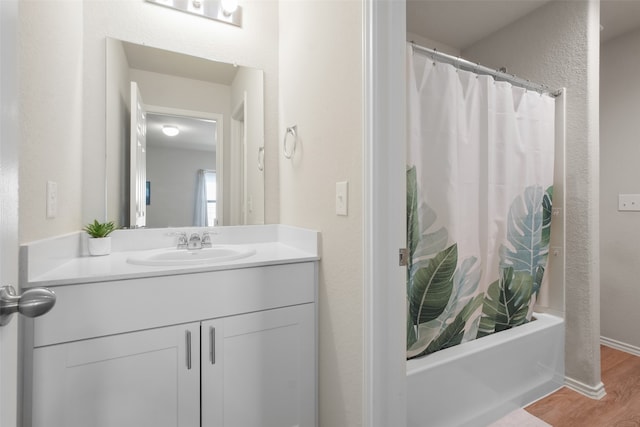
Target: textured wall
<point>321,93</point>
<point>620,151</point>
<point>50,63</point>
<point>558,45</point>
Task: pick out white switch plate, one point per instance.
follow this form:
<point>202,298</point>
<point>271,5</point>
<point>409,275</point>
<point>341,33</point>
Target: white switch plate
<point>342,197</point>
<point>52,199</point>
<point>629,202</point>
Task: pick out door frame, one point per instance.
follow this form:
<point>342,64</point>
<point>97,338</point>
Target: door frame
<point>238,162</point>
<point>384,164</point>
<point>9,137</point>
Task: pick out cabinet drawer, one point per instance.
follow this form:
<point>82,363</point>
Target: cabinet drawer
<point>106,308</point>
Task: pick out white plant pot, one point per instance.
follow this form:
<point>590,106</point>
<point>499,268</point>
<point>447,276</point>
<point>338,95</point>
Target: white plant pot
<point>99,246</point>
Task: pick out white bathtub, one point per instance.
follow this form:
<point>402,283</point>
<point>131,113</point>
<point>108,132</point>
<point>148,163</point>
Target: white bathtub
<point>478,382</point>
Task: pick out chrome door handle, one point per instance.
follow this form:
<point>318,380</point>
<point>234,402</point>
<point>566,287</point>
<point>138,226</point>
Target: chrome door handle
<point>33,302</point>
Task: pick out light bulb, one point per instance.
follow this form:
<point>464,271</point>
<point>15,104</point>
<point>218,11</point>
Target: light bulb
<point>228,6</point>
<point>170,130</point>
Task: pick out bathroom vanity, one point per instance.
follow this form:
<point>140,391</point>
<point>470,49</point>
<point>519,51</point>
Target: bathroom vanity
<point>229,343</point>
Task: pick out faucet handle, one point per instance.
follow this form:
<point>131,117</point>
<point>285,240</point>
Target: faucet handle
<point>206,240</point>
<point>182,240</point>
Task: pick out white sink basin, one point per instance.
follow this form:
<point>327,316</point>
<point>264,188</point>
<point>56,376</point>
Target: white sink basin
<point>172,256</point>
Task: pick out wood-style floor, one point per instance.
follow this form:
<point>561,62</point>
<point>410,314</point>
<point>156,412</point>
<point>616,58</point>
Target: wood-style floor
<point>619,408</point>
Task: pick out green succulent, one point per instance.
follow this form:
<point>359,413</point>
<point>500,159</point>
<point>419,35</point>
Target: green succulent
<point>99,229</point>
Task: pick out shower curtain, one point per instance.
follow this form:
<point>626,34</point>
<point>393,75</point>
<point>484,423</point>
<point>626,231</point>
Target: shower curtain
<point>479,190</point>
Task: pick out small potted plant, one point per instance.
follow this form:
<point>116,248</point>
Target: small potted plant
<point>99,239</point>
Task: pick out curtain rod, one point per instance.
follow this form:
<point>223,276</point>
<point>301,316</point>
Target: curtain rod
<point>481,69</point>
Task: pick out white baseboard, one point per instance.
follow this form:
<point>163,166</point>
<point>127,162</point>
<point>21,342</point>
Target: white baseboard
<point>596,392</point>
<point>618,345</point>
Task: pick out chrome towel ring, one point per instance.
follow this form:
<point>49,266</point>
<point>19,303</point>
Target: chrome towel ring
<point>293,132</point>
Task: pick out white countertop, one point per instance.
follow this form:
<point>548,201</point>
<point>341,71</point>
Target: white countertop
<point>44,264</point>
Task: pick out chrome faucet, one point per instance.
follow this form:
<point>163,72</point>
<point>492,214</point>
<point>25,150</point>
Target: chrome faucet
<point>195,242</point>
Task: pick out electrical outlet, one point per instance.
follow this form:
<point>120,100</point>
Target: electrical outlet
<point>629,202</point>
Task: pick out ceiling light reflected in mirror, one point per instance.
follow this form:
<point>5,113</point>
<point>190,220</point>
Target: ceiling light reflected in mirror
<point>170,130</point>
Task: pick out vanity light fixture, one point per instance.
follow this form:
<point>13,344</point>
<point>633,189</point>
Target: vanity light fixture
<point>228,6</point>
<point>170,130</point>
<point>219,10</point>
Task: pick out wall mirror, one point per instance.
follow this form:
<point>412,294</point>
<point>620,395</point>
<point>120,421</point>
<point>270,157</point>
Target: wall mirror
<point>185,139</point>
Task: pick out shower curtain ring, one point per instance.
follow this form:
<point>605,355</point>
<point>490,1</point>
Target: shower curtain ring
<point>433,56</point>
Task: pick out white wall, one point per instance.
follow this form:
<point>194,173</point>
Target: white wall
<point>619,155</point>
<point>321,92</point>
<point>118,123</point>
<point>164,90</point>
<point>250,82</point>
<point>558,45</point>
<point>173,177</point>
<point>51,69</point>
<point>254,45</point>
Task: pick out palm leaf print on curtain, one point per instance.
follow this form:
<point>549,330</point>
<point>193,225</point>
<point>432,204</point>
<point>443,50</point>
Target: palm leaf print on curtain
<point>479,194</point>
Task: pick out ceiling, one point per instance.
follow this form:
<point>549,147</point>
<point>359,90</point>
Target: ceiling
<point>618,17</point>
<point>461,23</point>
<point>177,64</point>
<point>195,134</point>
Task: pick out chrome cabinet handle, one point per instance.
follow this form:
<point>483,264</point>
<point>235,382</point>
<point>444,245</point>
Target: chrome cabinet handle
<point>188,338</point>
<point>33,302</point>
<point>212,344</point>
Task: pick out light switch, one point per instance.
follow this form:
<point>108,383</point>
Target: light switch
<point>629,202</point>
<point>52,199</point>
<point>342,197</point>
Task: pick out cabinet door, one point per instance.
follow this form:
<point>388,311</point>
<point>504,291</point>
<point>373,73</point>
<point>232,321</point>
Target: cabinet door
<point>259,369</point>
<point>148,378</point>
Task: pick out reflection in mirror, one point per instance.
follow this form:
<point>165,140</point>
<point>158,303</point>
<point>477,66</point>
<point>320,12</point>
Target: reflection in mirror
<point>186,159</point>
<point>210,172</point>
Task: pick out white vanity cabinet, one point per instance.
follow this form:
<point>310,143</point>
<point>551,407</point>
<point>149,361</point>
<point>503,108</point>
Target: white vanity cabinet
<point>232,348</point>
<point>135,379</point>
<point>258,369</point>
